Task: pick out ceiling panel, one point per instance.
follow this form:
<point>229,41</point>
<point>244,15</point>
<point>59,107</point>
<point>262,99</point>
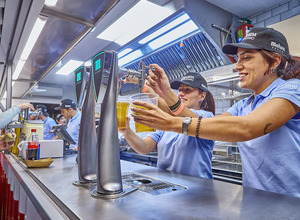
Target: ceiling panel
<point>87,9</point>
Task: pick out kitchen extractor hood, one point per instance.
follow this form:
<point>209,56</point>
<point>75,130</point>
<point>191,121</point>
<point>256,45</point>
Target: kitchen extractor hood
<point>178,44</point>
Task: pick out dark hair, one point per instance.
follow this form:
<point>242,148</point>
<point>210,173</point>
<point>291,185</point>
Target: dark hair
<point>286,69</point>
<point>208,103</point>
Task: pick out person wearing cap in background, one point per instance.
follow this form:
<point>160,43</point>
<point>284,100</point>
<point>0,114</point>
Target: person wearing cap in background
<point>48,122</point>
<point>69,110</point>
<point>266,125</point>
<point>60,119</point>
<point>6,117</point>
<point>33,116</point>
<point>178,152</point>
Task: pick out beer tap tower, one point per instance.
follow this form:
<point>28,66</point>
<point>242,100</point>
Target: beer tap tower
<point>87,156</point>
<point>106,76</point>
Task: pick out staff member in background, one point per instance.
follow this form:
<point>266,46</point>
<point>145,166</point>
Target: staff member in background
<point>33,116</point>
<point>179,152</point>
<point>7,116</point>
<point>60,119</point>
<point>266,125</point>
<point>69,110</point>
<point>48,122</point>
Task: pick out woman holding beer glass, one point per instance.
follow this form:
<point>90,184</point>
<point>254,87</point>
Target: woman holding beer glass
<point>179,152</point>
<point>266,125</point>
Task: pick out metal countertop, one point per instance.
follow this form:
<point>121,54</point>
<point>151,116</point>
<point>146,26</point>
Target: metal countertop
<point>203,198</point>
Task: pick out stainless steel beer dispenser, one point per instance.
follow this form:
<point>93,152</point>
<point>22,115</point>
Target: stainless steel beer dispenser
<point>87,149</point>
<point>106,78</point>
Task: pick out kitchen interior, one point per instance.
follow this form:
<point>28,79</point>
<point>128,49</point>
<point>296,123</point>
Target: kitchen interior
<point>72,33</point>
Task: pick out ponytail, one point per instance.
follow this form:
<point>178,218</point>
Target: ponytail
<point>208,103</point>
<point>286,69</point>
<point>292,69</point>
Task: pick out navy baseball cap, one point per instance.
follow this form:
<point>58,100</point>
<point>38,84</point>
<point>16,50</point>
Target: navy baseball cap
<point>191,79</point>
<point>66,103</point>
<point>261,39</point>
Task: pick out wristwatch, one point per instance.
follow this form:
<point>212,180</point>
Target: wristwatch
<point>185,124</point>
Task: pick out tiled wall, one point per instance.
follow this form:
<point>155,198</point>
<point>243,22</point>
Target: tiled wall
<point>276,14</point>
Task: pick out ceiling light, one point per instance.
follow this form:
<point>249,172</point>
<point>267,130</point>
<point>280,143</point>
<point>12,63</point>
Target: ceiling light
<point>124,52</point>
<point>179,32</point>
<point>130,57</point>
<point>69,67</point>
<point>50,3</point>
<point>165,28</point>
<point>18,69</point>
<point>140,17</point>
<point>35,33</point>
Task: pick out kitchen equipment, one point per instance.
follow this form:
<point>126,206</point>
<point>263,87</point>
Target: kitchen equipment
<point>48,148</point>
<point>87,151</point>
<point>106,80</point>
<point>28,125</point>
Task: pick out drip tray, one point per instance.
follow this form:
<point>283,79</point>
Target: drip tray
<point>149,185</point>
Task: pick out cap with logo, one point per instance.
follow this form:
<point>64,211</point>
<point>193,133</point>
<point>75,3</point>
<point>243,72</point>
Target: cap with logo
<point>191,79</point>
<point>66,103</point>
<point>261,39</point>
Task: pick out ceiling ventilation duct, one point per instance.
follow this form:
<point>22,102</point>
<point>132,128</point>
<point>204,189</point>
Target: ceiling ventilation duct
<point>181,45</point>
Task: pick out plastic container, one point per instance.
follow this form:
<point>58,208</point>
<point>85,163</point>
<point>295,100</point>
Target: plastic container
<point>33,146</point>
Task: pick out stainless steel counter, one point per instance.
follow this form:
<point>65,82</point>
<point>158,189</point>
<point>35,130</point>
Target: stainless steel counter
<point>203,198</point>
<point>222,170</point>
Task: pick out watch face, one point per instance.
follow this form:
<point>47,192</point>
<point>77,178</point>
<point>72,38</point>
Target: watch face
<point>185,123</point>
<point>187,120</point>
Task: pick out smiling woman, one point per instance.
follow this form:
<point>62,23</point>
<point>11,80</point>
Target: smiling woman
<point>266,125</point>
<point>179,152</point>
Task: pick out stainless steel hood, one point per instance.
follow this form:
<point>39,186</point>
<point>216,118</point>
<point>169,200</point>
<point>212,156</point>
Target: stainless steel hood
<point>193,54</point>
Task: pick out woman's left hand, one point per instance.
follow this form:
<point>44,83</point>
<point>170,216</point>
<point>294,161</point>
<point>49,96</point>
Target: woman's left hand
<point>155,118</point>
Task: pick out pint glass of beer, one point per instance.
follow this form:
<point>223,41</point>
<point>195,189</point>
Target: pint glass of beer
<point>122,111</point>
<point>144,97</point>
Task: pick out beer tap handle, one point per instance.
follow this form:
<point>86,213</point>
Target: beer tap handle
<point>142,78</point>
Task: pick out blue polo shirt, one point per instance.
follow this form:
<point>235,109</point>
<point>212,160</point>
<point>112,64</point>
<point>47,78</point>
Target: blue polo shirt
<point>73,128</point>
<point>48,124</point>
<point>184,154</point>
<point>272,162</point>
